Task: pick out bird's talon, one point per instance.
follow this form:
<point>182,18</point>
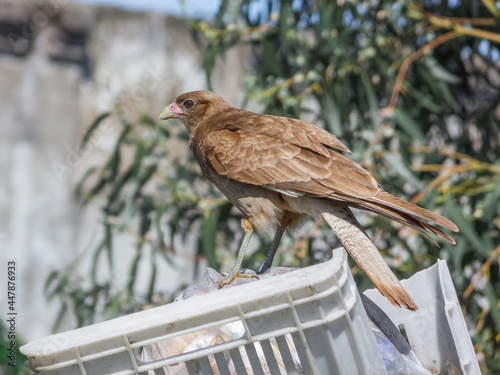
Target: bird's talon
<point>220,284</point>
<point>228,279</point>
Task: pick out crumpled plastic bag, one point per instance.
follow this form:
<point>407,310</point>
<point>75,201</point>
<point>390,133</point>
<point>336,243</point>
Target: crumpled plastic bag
<point>395,362</point>
<point>208,283</point>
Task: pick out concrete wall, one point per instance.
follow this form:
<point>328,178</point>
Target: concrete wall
<point>62,64</point>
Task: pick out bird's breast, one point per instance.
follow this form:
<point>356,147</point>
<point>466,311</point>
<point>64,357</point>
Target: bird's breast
<point>262,207</point>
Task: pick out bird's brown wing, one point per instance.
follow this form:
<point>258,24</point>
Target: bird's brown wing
<point>290,157</point>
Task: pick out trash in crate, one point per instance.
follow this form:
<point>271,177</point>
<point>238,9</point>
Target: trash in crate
<point>395,362</point>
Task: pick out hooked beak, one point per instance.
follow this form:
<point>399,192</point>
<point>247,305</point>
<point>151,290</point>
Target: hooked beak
<point>172,111</point>
<point>165,114</point>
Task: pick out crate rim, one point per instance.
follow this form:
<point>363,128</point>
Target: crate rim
<point>191,308</point>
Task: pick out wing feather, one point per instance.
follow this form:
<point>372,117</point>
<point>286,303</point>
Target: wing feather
<point>285,157</point>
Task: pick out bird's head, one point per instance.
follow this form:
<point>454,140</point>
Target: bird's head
<point>194,107</point>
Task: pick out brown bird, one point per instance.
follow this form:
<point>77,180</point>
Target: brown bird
<point>277,170</point>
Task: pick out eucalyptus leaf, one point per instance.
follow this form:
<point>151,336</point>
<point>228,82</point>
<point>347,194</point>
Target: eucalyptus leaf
<point>402,170</point>
<point>332,116</point>
<point>208,236</point>
<point>93,127</point>
<point>409,124</point>
<point>439,72</point>
<point>466,229</point>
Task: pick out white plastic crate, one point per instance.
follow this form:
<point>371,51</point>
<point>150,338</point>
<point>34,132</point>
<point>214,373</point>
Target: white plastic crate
<point>308,321</point>
<point>437,331</point>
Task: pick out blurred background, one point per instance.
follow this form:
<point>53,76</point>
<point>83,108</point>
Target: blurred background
<point>104,209</point>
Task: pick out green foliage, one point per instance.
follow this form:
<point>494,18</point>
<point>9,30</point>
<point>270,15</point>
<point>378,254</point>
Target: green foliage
<point>335,64</point>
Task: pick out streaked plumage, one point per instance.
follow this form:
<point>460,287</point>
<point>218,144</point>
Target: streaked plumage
<point>275,170</point>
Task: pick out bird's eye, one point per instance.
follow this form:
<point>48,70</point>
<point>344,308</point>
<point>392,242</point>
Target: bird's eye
<point>188,103</point>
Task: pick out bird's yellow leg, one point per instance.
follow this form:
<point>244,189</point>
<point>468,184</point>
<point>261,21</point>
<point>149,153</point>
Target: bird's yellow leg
<point>235,272</point>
